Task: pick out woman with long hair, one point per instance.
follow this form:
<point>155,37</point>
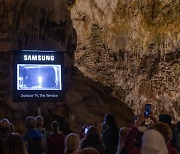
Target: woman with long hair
<point>92,139</point>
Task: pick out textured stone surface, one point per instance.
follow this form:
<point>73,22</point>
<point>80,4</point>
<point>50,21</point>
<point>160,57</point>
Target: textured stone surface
<point>46,25</point>
<point>132,46</point>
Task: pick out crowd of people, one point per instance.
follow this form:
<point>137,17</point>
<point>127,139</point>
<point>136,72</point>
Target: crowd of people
<point>159,136</point>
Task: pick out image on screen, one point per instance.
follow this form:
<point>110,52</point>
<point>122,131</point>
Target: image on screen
<point>39,77</point>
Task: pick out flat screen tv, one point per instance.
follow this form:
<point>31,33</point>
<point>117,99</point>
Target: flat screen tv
<point>38,76</point>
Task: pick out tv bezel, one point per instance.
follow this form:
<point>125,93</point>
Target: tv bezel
<point>38,95</point>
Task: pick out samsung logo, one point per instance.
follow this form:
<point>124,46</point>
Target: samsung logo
<point>38,57</point>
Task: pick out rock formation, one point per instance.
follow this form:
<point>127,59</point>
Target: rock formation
<point>47,25</point>
<point>132,46</point>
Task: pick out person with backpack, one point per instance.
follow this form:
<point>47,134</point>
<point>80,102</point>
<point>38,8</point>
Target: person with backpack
<point>33,138</point>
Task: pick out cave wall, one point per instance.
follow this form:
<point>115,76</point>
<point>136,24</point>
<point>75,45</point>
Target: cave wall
<point>132,46</point>
<point>34,25</point>
<point>47,25</point>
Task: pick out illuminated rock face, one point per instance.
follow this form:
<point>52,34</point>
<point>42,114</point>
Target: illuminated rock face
<point>132,46</point>
<point>47,25</point>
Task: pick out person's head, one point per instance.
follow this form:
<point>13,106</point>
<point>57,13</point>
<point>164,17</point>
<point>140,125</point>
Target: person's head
<point>89,151</point>
<point>4,125</point>
<point>14,144</point>
<point>153,142</point>
<point>166,118</point>
<point>92,133</point>
<point>30,123</point>
<point>165,130</point>
<point>72,143</point>
<point>109,119</point>
<point>55,126</point>
<point>40,122</point>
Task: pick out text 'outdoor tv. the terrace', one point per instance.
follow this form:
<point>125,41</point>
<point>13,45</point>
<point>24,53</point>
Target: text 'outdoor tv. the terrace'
<point>38,76</point>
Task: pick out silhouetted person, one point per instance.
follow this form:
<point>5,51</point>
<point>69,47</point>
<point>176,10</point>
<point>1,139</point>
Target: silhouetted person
<point>4,132</point>
<point>92,139</point>
<point>14,144</point>
<point>72,143</point>
<point>55,142</point>
<point>165,130</point>
<point>42,131</point>
<point>166,118</point>
<point>39,126</point>
<point>110,136</point>
<point>33,138</point>
<point>4,128</point>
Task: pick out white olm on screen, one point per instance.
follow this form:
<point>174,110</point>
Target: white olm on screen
<point>40,80</point>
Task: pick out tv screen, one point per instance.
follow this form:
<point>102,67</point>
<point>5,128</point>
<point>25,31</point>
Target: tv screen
<point>38,76</point>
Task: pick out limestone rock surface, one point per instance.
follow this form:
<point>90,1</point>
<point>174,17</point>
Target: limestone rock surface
<point>132,46</point>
